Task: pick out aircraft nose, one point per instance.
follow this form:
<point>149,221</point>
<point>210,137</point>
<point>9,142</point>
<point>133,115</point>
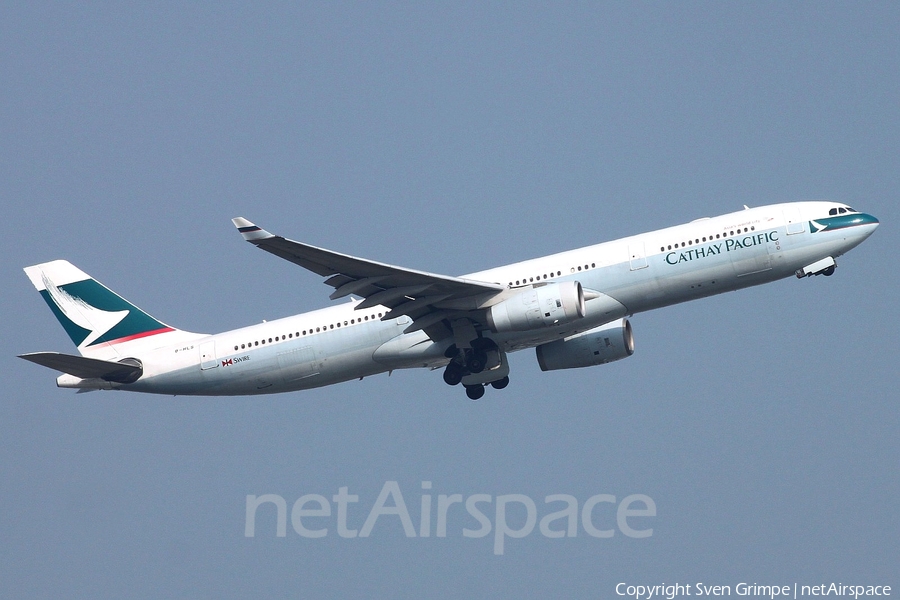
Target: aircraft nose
<point>867,224</point>
<point>868,219</point>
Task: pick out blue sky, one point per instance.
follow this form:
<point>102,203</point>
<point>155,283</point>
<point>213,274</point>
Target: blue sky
<point>451,138</point>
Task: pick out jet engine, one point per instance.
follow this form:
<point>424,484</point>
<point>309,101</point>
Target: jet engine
<point>543,306</point>
<point>597,346</point>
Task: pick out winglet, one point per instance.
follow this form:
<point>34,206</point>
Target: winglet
<point>250,231</point>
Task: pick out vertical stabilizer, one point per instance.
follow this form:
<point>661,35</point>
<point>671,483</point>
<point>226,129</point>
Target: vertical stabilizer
<point>97,319</point>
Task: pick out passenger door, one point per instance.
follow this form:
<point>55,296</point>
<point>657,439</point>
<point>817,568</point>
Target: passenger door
<point>637,258</point>
<point>794,222</point>
<point>208,358</point>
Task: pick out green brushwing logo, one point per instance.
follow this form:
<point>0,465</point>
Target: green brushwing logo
<point>841,222</point>
<point>92,314</point>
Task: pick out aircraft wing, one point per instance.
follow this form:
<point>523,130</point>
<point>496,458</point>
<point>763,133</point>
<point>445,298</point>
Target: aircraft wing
<point>427,298</point>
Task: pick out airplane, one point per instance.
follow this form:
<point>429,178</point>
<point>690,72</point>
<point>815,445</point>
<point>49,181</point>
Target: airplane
<point>573,308</point>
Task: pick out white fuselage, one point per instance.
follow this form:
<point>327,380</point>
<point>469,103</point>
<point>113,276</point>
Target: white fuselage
<point>630,275</point>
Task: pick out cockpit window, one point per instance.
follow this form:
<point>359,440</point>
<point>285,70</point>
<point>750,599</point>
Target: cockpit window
<point>841,210</point>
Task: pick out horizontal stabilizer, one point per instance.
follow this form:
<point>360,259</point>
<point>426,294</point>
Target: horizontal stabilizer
<point>88,368</point>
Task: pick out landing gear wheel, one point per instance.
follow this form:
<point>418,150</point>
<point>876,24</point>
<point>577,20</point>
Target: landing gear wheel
<point>453,374</point>
<point>829,271</point>
<point>500,383</point>
<point>474,392</point>
<point>476,361</point>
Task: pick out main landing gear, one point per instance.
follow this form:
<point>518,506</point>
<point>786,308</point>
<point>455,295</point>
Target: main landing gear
<point>476,391</point>
<point>477,367</point>
<point>453,374</point>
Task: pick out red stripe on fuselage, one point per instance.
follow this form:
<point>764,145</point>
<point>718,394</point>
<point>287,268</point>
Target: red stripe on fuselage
<point>140,335</point>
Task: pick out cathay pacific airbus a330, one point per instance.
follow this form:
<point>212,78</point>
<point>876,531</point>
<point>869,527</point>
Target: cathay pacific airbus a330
<point>571,307</point>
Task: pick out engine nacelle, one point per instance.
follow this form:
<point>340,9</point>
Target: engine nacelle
<point>597,346</point>
<point>538,307</point>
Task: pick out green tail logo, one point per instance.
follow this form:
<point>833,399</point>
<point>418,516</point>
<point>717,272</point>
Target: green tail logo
<point>93,314</point>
